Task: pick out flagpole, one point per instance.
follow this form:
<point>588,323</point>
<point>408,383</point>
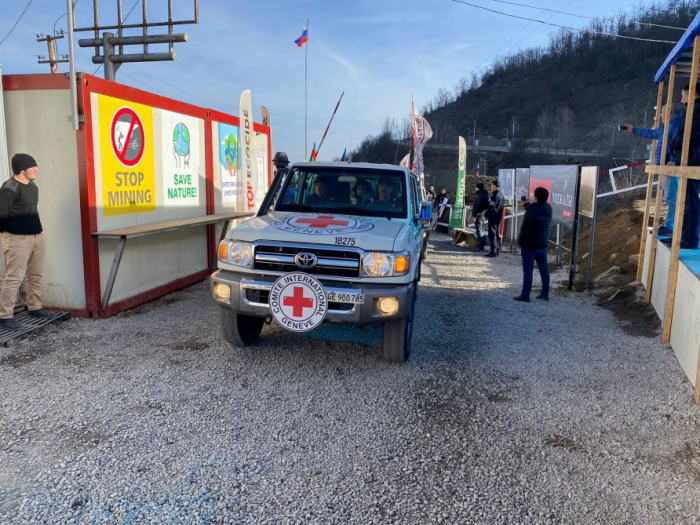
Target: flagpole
<point>306,90</point>
<point>329,123</point>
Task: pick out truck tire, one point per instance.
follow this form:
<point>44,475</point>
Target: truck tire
<point>240,330</point>
<point>398,334</point>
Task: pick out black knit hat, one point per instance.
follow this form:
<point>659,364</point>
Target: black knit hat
<point>21,162</point>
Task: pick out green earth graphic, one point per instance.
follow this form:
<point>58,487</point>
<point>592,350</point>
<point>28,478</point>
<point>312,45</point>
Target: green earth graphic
<point>181,144</point>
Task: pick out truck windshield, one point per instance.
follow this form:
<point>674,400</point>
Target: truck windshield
<point>373,193</point>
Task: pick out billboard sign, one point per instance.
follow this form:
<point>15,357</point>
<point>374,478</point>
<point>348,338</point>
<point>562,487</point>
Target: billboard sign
<point>126,157</point>
<point>522,184</point>
<point>229,160</point>
<point>560,181</point>
<point>181,160</point>
<point>506,179</point>
<point>589,191</point>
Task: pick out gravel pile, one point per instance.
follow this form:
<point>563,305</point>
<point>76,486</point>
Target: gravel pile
<point>506,413</point>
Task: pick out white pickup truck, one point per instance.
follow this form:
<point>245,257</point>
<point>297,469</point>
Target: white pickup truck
<point>332,242</point>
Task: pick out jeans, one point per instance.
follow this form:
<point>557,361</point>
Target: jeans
<point>670,195</point>
<point>530,255</point>
<point>494,237</point>
<point>480,233</point>
<point>691,216</point>
<point>24,255</point>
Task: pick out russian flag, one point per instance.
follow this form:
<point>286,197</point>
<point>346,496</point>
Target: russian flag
<point>304,38</point>
<point>344,158</point>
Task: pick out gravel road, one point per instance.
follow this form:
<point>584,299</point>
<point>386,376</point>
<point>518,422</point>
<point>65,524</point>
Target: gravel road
<point>506,413</point>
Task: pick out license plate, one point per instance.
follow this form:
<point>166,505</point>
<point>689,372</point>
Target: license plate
<point>339,297</point>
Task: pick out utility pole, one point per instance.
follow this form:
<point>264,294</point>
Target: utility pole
<point>474,137</point>
<point>512,137</point>
<point>53,59</point>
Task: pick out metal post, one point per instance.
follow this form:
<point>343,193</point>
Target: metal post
<point>306,92</point>
<point>557,257</point>
<point>110,71</point>
<point>574,242</point>
<point>71,52</point>
<point>590,246</point>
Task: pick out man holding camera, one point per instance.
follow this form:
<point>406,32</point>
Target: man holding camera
<point>670,184</point>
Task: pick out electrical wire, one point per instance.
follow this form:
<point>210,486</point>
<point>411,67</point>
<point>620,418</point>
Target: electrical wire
<point>17,22</point>
<point>583,16</point>
<point>602,33</point>
<point>64,14</point>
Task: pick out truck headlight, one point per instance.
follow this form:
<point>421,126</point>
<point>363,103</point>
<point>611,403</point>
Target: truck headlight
<point>377,264</point>
<point>235,252</point>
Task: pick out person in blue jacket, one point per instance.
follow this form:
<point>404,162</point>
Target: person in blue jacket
<point>670,184</point>
<point>494,214</point>
<point>690,237</point>
<point>533,241</point>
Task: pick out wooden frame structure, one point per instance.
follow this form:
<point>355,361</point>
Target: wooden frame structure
<point>683,61</point>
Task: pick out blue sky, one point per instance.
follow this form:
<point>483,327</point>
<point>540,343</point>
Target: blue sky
<point>395,47</point>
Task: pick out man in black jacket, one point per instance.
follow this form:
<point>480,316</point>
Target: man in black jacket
<point>690,236</point>
<point>22,241</point>
<point>494,214</point>
<point>533,241</point>
<point>481,204</point>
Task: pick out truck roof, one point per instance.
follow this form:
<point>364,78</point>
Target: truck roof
<point>349,165</point>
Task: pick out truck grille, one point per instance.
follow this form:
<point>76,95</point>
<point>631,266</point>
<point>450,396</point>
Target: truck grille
<point>331,262</point>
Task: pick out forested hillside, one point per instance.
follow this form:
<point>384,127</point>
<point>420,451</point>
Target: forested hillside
<point>571,94</point>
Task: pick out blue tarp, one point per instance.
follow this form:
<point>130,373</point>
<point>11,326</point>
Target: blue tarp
<point>683,44</point>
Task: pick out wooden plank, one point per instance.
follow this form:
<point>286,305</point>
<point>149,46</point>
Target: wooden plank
<point>684,172</point>
<point>680,204</point>
<point>650,185</point>
<point>166,226</point>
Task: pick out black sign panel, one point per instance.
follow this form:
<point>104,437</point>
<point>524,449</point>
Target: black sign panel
<point>560,181</point>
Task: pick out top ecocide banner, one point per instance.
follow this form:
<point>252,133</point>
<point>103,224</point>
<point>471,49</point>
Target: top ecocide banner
<point>130,169</point>
<point>560,181</point>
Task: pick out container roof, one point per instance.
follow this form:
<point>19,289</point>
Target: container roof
<point>682,54</point>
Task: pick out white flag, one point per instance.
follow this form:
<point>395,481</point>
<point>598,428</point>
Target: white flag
<point>405,160</point>
<point>422,133</point>
<point>249,198</point>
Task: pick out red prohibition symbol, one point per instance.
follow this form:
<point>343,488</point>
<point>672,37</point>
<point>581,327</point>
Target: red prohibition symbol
<point>127,136</point>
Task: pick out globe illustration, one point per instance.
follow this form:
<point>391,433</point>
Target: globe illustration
<point>181,140</point>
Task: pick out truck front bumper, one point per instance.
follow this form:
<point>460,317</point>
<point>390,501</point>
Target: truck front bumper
<point>248,296</point>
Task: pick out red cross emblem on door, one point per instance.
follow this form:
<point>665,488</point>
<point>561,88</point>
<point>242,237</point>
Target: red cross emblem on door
<point>298,302</point>
<point>322,221</point>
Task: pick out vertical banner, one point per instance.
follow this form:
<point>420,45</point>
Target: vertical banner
<point>181,160</point>
<point>522,184</point>
<point>126,157</point>
<point>229,161</point>
<point>457,219</point>
<point>251,198</point>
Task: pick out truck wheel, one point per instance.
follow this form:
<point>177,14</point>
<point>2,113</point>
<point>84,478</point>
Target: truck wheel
<point>240,330</point>
<point>398,334</point>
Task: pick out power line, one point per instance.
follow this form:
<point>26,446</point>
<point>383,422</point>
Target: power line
<point>64,14</point>
<point>603,33</point>
<point>17,22</point>
<point>582,16</point>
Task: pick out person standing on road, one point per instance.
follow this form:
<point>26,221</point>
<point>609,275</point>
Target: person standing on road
<point>481,204</point>
<point>441,205</point>
<point>494,214</point>
<point>670,184</point>
<point>533,241</point>
<point>690,237</point>
<point>22,241</point>
<point>430,195</point>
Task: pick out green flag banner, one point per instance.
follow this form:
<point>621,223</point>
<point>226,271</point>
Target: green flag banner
<point>457,220</point>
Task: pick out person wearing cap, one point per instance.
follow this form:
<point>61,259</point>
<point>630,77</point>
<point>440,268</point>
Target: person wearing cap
<point>481,204</point>
<point>494,214</point>
<point>385,190</point>
<point>321,195</point>
<point>22,241</point>
<point>670,184</point>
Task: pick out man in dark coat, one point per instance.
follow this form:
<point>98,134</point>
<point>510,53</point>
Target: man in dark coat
<point>690,236</point>
<point>494,214</point>
<point>533,241</point>
<point>481,204</point>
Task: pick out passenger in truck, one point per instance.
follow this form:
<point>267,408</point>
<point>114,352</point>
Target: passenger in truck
<point>321,195</point>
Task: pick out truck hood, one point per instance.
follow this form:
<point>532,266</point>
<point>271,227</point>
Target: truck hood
<point>367,233</point>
